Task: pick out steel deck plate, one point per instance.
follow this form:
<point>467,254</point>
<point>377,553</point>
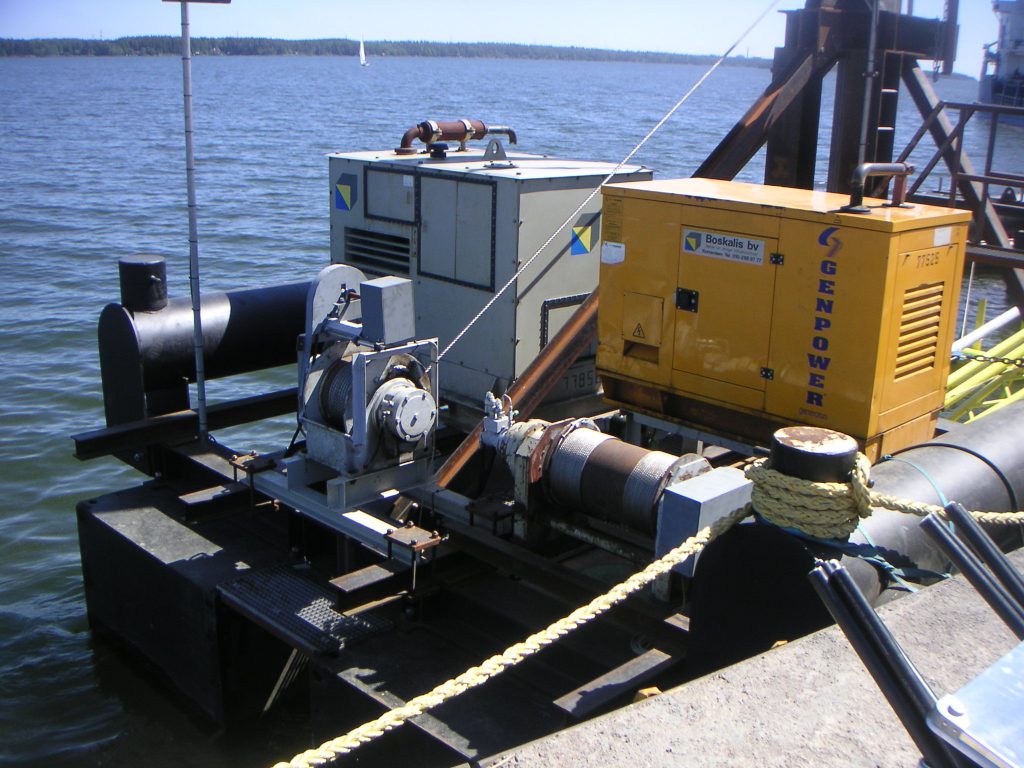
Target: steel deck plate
<point>298,610</point>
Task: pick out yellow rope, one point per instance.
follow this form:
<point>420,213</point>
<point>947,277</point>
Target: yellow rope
<point>500,662</point>
<point>822,510</point>
<point>833,510</point>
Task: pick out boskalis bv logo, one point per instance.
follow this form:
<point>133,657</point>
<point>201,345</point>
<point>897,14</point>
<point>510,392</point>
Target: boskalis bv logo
<point>819,356</point>
<point>346,192</point>
<point>585,234</point>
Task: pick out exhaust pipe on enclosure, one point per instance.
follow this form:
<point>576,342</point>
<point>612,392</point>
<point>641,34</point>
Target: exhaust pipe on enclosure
<point>430,131</point>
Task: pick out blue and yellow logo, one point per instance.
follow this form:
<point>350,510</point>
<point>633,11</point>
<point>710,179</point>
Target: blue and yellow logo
<point>345,192</point>
<point>691,241</point>
<point>585,234</point>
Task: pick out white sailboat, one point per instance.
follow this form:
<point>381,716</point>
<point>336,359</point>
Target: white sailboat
<point>362,54</point>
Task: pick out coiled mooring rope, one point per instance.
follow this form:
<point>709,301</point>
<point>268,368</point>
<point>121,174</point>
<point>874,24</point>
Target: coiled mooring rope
<point>821,510</point>
<point>833,510</point>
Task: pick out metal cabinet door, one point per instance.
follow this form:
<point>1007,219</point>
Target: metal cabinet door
<point>724,302</point>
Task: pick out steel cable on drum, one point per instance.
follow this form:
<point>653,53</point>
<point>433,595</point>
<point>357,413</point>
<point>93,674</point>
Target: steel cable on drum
<point>632,153</point>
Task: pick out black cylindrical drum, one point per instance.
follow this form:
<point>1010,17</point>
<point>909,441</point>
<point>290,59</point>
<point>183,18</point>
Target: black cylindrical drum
<point>813,453</point>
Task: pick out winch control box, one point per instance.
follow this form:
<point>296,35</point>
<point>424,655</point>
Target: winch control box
<point>738,308</point>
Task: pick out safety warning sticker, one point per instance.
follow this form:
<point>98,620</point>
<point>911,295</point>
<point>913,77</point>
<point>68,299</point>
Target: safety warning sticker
<point>718,246</point>
<point>613,253</point>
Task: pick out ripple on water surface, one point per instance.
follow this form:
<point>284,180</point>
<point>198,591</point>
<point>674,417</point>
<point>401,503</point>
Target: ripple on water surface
<point>93,170</point>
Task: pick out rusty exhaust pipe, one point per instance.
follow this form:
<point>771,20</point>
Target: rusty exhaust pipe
<point>430,131</point>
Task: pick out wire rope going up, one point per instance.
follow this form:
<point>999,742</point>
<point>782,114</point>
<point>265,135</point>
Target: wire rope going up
<point>594,192</point>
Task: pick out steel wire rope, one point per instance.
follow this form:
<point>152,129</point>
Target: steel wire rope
<point>572,216</point>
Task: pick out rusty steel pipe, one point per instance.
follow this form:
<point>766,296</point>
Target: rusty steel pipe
<point>430,131</point>
<point>530,389</point>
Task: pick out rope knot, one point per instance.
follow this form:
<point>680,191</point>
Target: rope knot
<point>822,510</point>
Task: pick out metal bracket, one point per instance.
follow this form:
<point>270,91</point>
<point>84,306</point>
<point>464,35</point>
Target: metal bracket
<point>777,259</point>
<point>768,373</point>
<point>495,155</point>
<point>687,300</point>
<point>416,540</point>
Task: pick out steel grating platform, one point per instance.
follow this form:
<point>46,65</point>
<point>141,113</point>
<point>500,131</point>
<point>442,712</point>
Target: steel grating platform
<point>298,610</point>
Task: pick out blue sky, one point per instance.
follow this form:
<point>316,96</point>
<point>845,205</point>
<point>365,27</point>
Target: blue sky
<point>680,26</point>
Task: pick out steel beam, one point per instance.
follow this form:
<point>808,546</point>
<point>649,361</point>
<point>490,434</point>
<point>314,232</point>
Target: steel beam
<point>615,684</point>
<point>182,426</point>
<point>818,37</point>
<point>942,131</point>
<point>792,150</point>
<point>751,132</point>
<point>847,114</point>
<point>667,631</point>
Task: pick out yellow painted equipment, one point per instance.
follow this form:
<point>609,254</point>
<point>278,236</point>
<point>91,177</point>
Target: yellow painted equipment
<point>736,308</point>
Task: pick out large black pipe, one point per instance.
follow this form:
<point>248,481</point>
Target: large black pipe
<point>750,588</point>
<point>147,358</point>
<point>980,465</point>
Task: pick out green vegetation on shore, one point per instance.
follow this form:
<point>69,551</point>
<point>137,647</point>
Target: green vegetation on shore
<point>257,46</point>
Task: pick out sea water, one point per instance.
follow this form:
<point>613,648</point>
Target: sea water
<point>92,169</point>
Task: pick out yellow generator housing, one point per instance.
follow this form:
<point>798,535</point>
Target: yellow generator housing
<point>738,308</point>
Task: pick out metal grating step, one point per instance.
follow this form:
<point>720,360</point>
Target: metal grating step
<point>298,610</point>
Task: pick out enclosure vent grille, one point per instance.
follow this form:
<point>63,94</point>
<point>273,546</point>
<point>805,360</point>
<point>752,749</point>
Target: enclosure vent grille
<point>377,253</point>
<point>919,330</point>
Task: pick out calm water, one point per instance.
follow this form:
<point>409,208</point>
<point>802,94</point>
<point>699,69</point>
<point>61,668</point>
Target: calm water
<point>92,169</point>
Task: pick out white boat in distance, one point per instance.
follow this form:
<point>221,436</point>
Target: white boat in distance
<point>362,54</point>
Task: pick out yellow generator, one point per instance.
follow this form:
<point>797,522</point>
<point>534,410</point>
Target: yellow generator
<point>738,308</point>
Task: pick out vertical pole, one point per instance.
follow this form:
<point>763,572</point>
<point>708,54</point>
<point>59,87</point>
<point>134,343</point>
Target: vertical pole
<point>990,152</point>
<point>951,16</point>
<point>869,86</point>
<point>193,230</point>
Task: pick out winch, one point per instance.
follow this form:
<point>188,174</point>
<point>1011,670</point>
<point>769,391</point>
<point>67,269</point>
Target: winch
<point>367,386</point>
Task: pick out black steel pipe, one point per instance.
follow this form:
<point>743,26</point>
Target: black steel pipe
<point>147,358</point>
<point>983,582</point>
<point>902,670</point>
<point>981,465</point>
<point>739,611</point>
<point>907,694</point>
<point>987,551</point>
<point>242,331</point>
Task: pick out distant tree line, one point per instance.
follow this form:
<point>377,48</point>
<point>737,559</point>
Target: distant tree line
<point>261,46</point>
